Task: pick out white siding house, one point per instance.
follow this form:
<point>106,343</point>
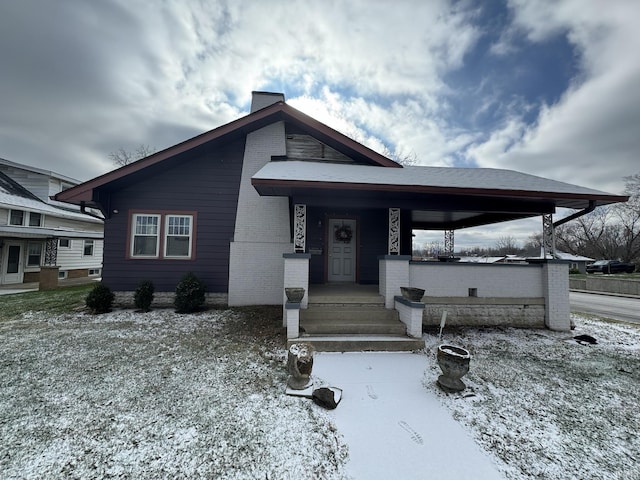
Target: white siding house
<point>36,231</point>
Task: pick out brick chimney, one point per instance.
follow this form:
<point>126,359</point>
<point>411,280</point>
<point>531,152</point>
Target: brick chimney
<point>260,100</point>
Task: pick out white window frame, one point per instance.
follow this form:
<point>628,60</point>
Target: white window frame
<point>12,223</point>
<point>29,254</point>
<point>187,225</point>
<point>134,234</point>
<point>40,219</point>
<point>84,248</point>
<point>68,245</point>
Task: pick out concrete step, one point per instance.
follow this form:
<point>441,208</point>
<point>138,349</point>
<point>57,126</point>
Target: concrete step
<point>372,320</point>
<point>346,328</point>
<point>348,313</point>
<point>360,343</point>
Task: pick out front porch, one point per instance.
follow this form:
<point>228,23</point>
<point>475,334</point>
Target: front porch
<point>351,317</point>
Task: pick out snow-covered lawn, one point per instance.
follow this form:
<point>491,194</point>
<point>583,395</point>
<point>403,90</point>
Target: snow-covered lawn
<point>161,395</point>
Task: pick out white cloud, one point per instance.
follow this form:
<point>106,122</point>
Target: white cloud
<point>590,136</point>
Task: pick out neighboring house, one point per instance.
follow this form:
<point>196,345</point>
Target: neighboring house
<point>576,262</point>
<point>37,233</point>
<point>278,199</point>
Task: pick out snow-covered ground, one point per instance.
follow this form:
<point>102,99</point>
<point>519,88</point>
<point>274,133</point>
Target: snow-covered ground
<point>161,395</point>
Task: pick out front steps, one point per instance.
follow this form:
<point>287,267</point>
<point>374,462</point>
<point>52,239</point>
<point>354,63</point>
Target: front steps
<point>352,319</point>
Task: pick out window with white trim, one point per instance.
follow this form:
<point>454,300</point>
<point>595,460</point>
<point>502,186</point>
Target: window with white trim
<point>145,238</point>
<point>168,235</point>
<point>88,248</point>
<point>34,254</point>
<point>64,243</point>
<point>35,219</point>
<point>16,217</point>
<point>177,236</point>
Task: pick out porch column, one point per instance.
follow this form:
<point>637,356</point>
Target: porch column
<point>299,228</point>
<point>555,284</point>
<point>449,241</point>
<point>548,237</point>
<point>49,270</point>
<point>394,231</point>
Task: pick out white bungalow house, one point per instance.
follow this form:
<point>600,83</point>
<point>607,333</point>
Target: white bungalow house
<point>42,240</point>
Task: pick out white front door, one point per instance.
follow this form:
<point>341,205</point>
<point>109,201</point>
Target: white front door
<point>12,270</point>
<point>342,250</point>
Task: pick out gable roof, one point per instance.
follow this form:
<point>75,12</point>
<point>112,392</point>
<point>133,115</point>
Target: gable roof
<point>9,187</point>
<point>280,111</point>
<point>15,196</point>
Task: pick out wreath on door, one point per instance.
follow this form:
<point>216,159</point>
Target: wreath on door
<point>343,234</point>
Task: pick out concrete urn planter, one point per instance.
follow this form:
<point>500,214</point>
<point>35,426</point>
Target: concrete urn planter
<point>454,363</point>
<point>294,294</point>
<point>411,293</point>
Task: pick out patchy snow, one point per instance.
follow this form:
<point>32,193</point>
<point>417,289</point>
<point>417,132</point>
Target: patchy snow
<point>161,395</point>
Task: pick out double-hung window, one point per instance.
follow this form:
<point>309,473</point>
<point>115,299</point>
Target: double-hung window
<point>166,235</point>
<point>34,254</point>
<point>178,236</point>
<point>145,238</point>
<point>16,217</point>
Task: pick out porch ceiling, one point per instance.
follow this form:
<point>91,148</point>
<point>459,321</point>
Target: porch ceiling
<point>438,198</point>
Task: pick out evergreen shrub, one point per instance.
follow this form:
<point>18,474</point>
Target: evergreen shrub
<point>189,294</point>
<point>100,299</point>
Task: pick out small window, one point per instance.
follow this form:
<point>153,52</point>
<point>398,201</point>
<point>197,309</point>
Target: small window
<point>88,248</point>
<point>35,219</point>
<point>16,217</point>
<point>93,272</point>
<point>145,239</point>
<point>35,252</point>
<point>62,275</point>
<point>64,243</point>
<point>178,236</point>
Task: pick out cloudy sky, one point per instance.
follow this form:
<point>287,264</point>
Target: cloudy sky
<point>545,87</point>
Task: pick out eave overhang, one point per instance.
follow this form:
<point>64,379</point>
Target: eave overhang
<point>431,206</point>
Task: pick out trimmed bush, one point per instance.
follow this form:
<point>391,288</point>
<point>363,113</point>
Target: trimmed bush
<point>143,295</point>
<point>100,299</point>
<point>189,294</point>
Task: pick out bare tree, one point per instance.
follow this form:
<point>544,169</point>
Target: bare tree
<point>610,232</point>
<point>122,157</point>
<point>507,245</point>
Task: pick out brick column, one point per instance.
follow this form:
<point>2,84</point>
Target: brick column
<point>296,274</point>
<point>555,284</point>
<point>393,274</point>
<point>48,278</point>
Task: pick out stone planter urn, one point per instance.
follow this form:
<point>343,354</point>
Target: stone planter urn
<point>411,293</point>
<point>454,363</point>
<point>294,294</point>
<point>299,366</point>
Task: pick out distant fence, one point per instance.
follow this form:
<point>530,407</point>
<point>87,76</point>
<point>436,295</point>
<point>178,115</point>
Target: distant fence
<point>606,284</point>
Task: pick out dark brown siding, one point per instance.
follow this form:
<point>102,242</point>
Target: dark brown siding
<point>207,184</point>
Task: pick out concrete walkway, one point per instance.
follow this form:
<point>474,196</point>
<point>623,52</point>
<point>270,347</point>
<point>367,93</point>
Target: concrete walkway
<point>394,426</point>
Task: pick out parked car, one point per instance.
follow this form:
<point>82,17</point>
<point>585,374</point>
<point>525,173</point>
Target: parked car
<point>611,266</point>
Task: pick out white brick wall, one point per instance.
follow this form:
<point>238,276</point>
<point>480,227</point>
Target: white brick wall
<point>455,280</point>
<point>262,233</point>
<point>393,273</point>
<point>293,322</point>
<point>411,316</point>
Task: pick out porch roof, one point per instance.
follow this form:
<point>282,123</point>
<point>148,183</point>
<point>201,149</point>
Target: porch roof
<point>438,197</point>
